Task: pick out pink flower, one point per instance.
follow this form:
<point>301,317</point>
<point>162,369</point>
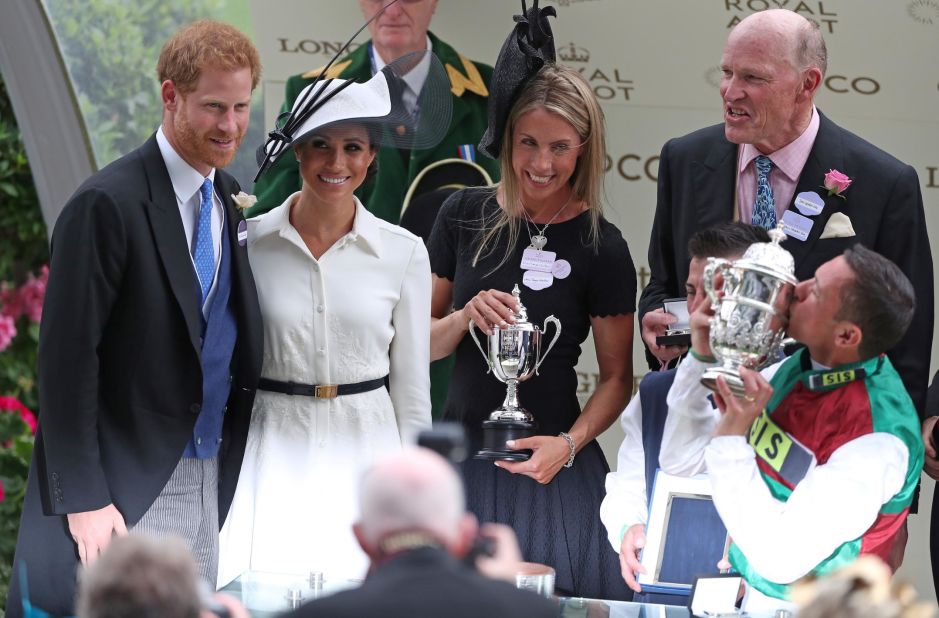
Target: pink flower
<point>32,293</point>
<point>7,331</point>
<point>12,404</point>
<point>836,183</point>
<point>10,304</point>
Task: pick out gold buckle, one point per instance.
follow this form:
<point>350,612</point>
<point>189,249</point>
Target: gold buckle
<point>326,391</point>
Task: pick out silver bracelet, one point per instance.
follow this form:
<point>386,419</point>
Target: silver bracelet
<point>570,443</point>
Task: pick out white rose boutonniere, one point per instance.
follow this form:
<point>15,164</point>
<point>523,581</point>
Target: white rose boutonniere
<point>244,200</point>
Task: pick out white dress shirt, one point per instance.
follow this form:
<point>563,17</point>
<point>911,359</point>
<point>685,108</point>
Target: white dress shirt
<point>414,79</point>
<point>187,183</point>
<point>625,502</point>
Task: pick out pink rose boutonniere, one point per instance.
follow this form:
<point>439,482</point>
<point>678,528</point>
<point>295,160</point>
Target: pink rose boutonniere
<point>836,183</point>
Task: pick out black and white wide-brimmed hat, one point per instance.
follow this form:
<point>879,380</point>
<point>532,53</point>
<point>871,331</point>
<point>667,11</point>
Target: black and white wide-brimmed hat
<point>378,103</point>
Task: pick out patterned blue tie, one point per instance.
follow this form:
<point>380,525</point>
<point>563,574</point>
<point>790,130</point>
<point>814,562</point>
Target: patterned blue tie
<point>764,208</point>
<point>203,253</point>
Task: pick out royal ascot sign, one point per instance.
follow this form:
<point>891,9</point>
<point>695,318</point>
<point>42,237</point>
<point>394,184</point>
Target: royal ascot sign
<point>816,12</point>
<point>608,84</point>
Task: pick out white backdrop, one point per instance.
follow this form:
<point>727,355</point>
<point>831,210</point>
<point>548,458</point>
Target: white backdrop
<point>654,66</point>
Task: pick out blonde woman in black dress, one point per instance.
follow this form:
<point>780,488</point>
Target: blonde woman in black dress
<point>552,150</point>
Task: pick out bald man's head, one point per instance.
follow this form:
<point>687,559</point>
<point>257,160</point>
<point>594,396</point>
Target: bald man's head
<point>772,66</point>
<point>414,490</point>
<point>794,37</point>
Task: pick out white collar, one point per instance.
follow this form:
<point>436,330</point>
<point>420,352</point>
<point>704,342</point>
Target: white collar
<point>366,227</point>
<point>186,180</point>
<point>417,76</point>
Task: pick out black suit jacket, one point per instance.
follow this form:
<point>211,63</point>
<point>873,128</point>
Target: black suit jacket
<point>428,582</point>
<point>696,189</point>
<point>120,380</point>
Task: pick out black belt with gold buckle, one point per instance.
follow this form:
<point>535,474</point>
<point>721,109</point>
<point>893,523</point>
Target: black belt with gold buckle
<point>320,391</point>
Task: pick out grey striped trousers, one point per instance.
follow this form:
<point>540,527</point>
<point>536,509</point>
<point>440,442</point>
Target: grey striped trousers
<point>188,508</point>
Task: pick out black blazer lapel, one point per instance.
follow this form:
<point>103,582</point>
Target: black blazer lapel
<point>170,240</point>
<point>714,185</point>
<point>827,153</point>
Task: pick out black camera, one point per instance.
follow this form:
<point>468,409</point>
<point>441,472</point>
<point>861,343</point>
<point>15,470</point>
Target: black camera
<point>447,439</point>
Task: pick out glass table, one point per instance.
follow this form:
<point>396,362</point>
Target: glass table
<point>268,594</point>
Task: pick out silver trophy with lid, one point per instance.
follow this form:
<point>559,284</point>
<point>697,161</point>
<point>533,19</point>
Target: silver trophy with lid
<point>513,354</point>
<point>750,297</point>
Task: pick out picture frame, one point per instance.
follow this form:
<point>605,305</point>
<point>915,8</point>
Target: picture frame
<point>685,537</point>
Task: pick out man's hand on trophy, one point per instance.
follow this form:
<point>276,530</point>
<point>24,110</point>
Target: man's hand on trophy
<point>633,542</point>
<point>549,454</point>
<point>931,460</point>
<point>739,412</point>
<point>654,324</point>
<point>490,308</point>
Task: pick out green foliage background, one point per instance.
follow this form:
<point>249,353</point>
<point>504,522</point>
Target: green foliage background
<point>23,251</point>
<point>111,48</point>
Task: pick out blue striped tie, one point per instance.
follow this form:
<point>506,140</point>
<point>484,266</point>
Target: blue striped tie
<point>764,208</point>
<point>203,252</point>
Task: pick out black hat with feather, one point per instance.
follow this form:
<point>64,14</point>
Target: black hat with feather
<point>528,47</point>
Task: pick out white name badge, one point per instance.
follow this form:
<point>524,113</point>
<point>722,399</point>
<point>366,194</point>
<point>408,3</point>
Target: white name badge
<point>561,269</point>
<point>795,225</point>
<point>542,261</point>
<point>809,203</point>
<point>537,280</point>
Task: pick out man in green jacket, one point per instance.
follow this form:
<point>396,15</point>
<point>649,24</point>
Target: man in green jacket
<point>401,29</point>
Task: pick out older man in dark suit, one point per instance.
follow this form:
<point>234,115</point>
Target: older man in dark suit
<point>150,341</point>
<point>414,527</point>
<point>768,162</point>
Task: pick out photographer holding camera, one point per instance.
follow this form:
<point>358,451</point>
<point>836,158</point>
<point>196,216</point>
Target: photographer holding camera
<point>415,529</point>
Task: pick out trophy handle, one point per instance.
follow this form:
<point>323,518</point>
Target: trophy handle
<point>557,325</point>
<point>714,266</point>
<point>472,332</point>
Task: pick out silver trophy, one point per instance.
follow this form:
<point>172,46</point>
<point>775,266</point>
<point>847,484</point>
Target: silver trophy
<point>514,355</point>
<point>750,298</point>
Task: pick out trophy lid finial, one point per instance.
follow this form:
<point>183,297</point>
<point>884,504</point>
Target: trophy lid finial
<point>770,257</point>
<point>777,235</point>
<point>522,314</point>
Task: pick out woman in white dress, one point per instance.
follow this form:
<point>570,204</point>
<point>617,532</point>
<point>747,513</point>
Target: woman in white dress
<point>345,299</point>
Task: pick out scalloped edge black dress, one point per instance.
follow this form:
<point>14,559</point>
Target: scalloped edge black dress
<point>559,523</point>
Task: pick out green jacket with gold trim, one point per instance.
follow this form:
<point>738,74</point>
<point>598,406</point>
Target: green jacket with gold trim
<point>384,193</point>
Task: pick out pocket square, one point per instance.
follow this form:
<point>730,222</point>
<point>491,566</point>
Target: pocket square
<point>838,226</point>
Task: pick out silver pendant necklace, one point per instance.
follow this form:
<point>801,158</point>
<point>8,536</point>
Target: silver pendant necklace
<point>539,240</point>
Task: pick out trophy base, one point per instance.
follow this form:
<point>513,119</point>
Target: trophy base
<point>495,435</point>
<point>709,380</point>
